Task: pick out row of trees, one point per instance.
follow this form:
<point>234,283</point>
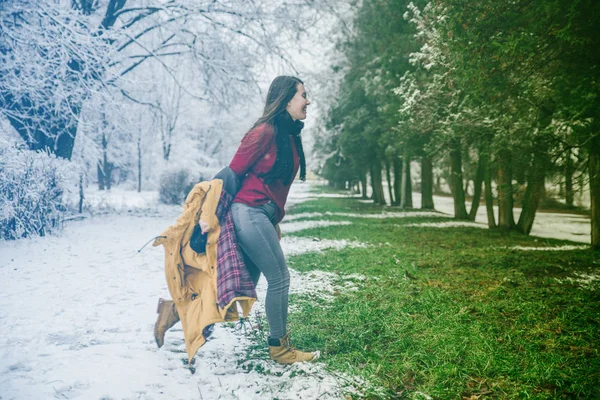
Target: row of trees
<point>504,94</point>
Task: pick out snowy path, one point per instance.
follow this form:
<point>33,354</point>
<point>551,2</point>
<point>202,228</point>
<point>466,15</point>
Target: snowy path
<point>77,314</point>
<point>564,226</point>
<point>548,225</point>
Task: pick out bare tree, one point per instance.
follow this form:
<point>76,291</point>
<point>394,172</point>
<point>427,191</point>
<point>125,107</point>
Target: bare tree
<point>167,113</point>
<point>55,55</point>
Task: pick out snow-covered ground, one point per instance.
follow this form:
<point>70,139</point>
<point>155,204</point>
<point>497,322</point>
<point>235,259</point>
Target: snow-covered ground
<point>117,199</point>
<point>77,312</point>
<point>77,309</point>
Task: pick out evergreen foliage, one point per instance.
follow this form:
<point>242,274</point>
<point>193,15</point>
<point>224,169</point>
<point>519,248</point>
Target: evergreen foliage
<point>501,94</point>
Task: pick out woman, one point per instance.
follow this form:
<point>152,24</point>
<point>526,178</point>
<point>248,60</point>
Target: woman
<point>267,161</point>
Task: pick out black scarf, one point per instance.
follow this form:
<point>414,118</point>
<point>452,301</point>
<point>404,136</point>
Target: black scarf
<point>283,168</point>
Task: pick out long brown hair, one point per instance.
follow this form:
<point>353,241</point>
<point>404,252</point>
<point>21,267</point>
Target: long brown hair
<point>281,91</point>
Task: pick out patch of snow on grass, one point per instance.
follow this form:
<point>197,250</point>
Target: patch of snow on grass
<point>390,214</point>
<point>288,227</point>
<point>323,285</point>
<point>356,277</point>
<point>318,283</point>
<point>299,245</point>
<point>338,195</point>
<point>383,215</point>
<point>583,280</point>
<point>449,224</point>
<point>550,248</point>
<point>293,217</point>
<point>299,192</point>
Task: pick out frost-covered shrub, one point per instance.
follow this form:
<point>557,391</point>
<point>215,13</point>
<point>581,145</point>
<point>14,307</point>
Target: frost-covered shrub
<point>31,192</point>
<point>175,186</point>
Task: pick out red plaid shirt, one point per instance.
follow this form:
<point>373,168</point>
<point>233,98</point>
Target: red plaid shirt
<point>233,278</point>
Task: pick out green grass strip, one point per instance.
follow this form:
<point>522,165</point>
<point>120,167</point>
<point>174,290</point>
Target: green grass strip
<point>454,312</point>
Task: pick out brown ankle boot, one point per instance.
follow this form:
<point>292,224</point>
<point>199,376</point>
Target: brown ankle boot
<point>167,317</point>
<point>286,354</point>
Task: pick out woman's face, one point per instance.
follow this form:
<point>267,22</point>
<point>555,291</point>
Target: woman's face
<point>297,106</point>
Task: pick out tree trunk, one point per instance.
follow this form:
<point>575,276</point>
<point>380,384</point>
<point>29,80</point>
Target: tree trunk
<point>505,200</point>
<point>594,168</point>
<point>166,151</point>
<point>460,211</point>
<point>569,171</point>
<point>107,171</point>
<point>103,166</point>
<point>438,184</point>
<point>397,165</point>
<point>406,184</point>
<point>373,187</point>
<point>489,197</point>
<point>100,170</point>
<point>81,196</point>
<point>533,193</point>
<point>536,172</point>
<point>426,183</point>
<point>581,179</point>
<point>139,146</point>
<point>481,165</point>
<point>388,176</point>
<point>363,185</point>
<point>378,196</point>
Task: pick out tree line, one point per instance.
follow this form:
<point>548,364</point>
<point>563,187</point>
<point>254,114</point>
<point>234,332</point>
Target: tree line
<point>505,95</point>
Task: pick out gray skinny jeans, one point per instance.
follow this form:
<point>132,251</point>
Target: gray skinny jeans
<point>257,237</point>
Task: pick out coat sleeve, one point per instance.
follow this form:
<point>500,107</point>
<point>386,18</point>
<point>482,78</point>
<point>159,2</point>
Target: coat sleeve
<point>208,211</point>
<point>254,145</point>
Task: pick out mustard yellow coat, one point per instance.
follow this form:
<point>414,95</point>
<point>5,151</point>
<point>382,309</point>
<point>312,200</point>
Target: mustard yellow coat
<point>192,277</point>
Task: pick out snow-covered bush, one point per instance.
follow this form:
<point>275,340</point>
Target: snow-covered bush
<point>175,185</point>
<point>31,192</point>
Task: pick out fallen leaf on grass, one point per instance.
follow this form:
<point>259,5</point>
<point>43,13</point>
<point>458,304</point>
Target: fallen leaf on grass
<point>476,396</point>
<point>409,276</point>
<point>409,380</point>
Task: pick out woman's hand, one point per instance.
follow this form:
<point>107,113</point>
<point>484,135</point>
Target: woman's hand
<point>278,230</point>
<point>204,227</point>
